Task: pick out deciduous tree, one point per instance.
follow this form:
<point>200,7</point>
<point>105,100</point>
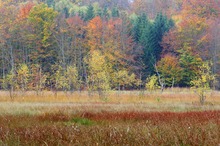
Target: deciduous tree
<point>203,81</point>
<point>152,83</point>
<point>74,83</point>
<point>170,70</point>
<point>41,19</point>
<point>99,79</point>
<point>38,78</point>
<point>23,77</point>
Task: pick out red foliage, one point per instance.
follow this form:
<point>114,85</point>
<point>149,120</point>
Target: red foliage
<point>75,21</point>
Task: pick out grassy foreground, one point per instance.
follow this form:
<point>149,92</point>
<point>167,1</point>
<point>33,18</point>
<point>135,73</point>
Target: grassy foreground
<point>125,119</point>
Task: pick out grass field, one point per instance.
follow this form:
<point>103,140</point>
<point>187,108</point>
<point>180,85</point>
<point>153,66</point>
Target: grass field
<point>125,118</point>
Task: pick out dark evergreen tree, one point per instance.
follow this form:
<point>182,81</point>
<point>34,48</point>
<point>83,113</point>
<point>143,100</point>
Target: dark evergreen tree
<point>81,14</point>
<point>105,13</point>
<point>152,41</point>
<point>161,25</point>
<point>89,13</point>
<point>135,29</point>
<point>115,12</point>
<point>66,12</point>
<point>50,3</point>
<point>99,12</point>
<point>141,32</point>
<point>143,29</point>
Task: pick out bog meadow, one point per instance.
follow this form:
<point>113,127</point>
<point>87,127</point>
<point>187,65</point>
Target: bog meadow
<point>125,118</point>
<point>109,72</point>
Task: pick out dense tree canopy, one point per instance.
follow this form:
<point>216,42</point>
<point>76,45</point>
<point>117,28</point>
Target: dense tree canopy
<point>106,44</point>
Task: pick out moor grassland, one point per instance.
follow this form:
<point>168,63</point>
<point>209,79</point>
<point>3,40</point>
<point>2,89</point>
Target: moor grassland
<point>125,118</point>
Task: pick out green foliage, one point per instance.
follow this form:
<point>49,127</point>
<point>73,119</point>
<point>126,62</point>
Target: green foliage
<point>10,82</point>
<point>115,12</point>
<point>158,99</point>
<point>141,29</point>
<point>203,81</point>
<point>41,18</point>
<point>161,25</point>
<point>102,12</point>
<point>152,41</point>
<point>82,121</point>
<point>89,13</point>
<point>149,36</point>
<point>66,7</point>
<point>189,64</point>
<point>50,3</point>
<point>105,14</point>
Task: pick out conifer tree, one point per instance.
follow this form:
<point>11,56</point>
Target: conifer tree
<point>115,12</point>
<point>152,47</point>
<point>89,13</point>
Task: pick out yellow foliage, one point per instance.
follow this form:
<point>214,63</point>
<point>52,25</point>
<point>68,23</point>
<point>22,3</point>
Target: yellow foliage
<point>99,78</point>
<point>203,81</point>
<point>23,75</point>
<point>152,83</point>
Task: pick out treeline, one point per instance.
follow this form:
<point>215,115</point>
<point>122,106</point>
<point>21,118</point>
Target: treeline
<point>108,45</point>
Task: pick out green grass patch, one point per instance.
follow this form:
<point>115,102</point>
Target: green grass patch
<point>81,121</point>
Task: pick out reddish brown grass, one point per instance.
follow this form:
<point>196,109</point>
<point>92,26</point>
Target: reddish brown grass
<point>112,128</point>
<point>128,118</point>
<point>156,116</point>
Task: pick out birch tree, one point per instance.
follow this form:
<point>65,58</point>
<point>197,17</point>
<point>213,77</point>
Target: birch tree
<point>203,82</point>
<point>99,79</point>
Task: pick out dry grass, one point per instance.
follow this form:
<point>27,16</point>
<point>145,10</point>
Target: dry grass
<point>125,118</point>
<point>115,101</point>
<point>176,96</point>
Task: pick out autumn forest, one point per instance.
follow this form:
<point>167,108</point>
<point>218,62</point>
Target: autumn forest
<point>101,45</point>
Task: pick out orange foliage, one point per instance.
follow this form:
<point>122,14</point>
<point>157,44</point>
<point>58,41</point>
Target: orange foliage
<point>192,30</point>
<point>202,8</point>
<point>170,68</point>
<point>111,38</point>
<point>190,35</point>
<point>151,8</point>
<point>107,37</point>
<point>24,10</point>
<point>95,33</point>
